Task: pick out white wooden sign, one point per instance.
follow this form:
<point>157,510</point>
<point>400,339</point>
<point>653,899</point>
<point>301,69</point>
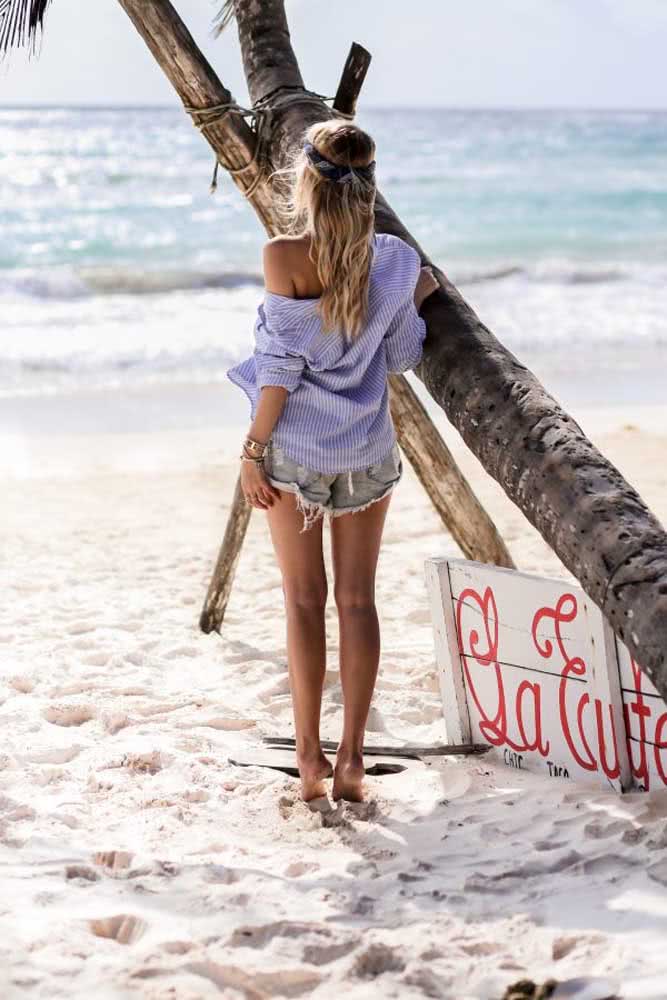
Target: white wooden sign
<point>531,667</point>
<point>645,716</point>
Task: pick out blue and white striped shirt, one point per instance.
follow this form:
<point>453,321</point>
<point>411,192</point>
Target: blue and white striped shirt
<point>337,417</point>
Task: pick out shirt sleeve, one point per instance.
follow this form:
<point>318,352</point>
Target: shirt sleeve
<point>404,339</point>
<point>278,358</point>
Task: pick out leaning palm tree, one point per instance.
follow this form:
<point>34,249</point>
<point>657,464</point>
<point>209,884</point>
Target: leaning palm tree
<point>591,517</point>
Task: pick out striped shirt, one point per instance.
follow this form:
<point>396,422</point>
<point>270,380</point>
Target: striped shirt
<point>337,417</point>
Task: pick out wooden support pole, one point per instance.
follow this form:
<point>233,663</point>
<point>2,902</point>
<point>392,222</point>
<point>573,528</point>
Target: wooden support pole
<point>448,489</point>
<point>352,79</point>
<point>220,586</point>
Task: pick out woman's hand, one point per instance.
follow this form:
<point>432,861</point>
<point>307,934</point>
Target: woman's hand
<point>257,490</point>
<point>427,283</point>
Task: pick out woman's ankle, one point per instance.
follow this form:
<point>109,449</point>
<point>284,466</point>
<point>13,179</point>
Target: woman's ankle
<point>350,749</point>
<point>308,749</point>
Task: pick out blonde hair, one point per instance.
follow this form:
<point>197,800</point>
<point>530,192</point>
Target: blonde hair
<point>338,217</point>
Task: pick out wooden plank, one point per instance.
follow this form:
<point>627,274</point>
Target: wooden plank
<point>408,750</point>
<point>282,759</point>
<point>645,715</point>
<point>447,658</point>
<point>607,682</point>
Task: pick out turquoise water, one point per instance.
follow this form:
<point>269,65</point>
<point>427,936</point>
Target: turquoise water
<point>117,265</point>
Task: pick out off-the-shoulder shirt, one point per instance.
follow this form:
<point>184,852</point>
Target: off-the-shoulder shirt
<point>337,417</point>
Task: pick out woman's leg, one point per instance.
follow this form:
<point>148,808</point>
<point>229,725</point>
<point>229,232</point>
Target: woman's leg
<point>301,562</point>
<point>355,549</point>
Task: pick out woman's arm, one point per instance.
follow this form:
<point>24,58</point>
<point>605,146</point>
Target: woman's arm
<point>257,490</point>
<point>404,339</point>
<point>271,403</point>
<point>272,398</point>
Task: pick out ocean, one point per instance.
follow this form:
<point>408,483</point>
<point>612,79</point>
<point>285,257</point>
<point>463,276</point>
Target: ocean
<point>118,269</point>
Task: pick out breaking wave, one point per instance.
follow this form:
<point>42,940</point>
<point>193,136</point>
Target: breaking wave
<point>60,283</point>
<point>63,283</point>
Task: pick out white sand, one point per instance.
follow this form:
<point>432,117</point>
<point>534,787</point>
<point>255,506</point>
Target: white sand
<point>118,716</point>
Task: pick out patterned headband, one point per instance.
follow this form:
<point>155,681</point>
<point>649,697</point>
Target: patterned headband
<point>336,172</point>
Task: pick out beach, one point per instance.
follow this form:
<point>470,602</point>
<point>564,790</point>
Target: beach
<point>137,861</point>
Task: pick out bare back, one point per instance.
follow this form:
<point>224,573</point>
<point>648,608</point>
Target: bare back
<point>288,270</point>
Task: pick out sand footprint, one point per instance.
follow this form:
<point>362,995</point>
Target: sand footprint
<point>299,868</point>
<point>68,715</point>
<point>161,708</point>
<point>12,811</point>
<point>22,684</point>
<point>62,755</point>
<point>78,687</point>
<point>83,872</point>
<point>97,659</point>
<point>376,959</point>
<point>257,985</point>
<point>322,954</point>
<point>229,725</point>
<point>149,762</point>
<point>179,651</point>
<point>113,722</point>
<point>123,928</point>
<point>113,860</point>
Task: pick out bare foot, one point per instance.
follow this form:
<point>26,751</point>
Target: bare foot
<point>313,769</point>
<point>348,777</point>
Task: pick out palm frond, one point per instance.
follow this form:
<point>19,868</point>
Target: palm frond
<point>221,19</point>
<point>20,21</point>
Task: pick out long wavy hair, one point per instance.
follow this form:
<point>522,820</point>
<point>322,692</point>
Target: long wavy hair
<point>339,218</point>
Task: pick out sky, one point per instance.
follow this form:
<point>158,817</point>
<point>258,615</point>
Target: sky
<point>480,53</point>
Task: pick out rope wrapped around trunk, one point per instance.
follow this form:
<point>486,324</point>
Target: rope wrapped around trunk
<point>263,114</point>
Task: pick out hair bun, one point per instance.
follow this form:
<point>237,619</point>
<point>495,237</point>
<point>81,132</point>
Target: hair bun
<point>336,172</point>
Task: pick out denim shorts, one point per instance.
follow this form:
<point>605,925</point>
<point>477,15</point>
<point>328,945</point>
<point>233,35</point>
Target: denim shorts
<point>319,493</point>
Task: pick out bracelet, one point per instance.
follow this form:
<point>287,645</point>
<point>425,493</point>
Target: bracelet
<point>255,458</point>
<point>247,458</point>
<point>254,446</point>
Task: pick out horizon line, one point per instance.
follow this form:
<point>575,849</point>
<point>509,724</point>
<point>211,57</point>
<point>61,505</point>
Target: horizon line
<point>66,106</point>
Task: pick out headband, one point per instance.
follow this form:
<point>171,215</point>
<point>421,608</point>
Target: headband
<point>334,171</point>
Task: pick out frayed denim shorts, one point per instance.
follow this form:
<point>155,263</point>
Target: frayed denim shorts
<point>319,493</point>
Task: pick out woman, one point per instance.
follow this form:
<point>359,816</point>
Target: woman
<point>340,311</point>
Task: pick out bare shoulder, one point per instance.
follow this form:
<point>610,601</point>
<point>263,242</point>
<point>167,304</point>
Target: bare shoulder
<point>283,259</point>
